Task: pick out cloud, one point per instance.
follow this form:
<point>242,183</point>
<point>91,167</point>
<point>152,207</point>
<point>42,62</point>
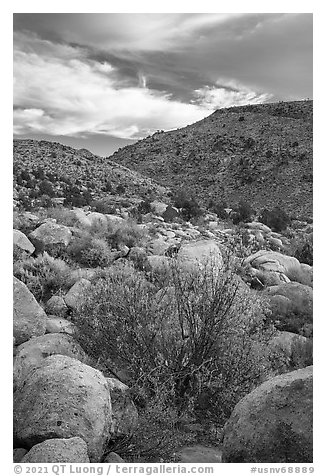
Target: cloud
<point>66,94</point>
<point>228,93</point>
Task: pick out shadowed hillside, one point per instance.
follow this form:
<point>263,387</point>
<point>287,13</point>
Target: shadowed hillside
<point>259,153</point>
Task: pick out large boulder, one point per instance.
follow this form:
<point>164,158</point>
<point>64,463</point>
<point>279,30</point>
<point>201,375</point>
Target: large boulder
<point>76,294</point>
<point>61,399</point>
<point>56,324</point>
<point>273,424</point>
<point>29,318</point>
<point>58,450</point>
<point>97,219</point>
<point>81,218</point>
<point>301,296</point>
<point>56,305</point>
<point>31,354</point>
<point>50,235</point>
<point>279,263</point>
<point>124,411</point>
<point>200,253</point>
<point>21,240</point>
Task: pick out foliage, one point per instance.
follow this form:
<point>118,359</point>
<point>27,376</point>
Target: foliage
<point>304,250</point>
<point>277,219</point>
<point>242,212</point>
<point>203,332</point>
<point>86,250</point>
<point>44,276</point>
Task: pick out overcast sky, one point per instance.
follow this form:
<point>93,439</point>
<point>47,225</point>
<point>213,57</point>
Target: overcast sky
<point>101,81</point>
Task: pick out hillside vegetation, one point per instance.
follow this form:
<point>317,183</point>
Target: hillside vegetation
<point>261,154</point>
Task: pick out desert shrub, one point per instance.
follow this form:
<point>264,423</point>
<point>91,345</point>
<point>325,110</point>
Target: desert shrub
<point>89,251</point>
<point>219,209</point>
<point>302,354</point>
<point>304,250</point>
<point>144,206</point>
<point>62,215</point>
<point>101,206</point>
<point>242,212</point>
<point>204,332</point>
<point>46,188</point>
<point>189,208</point>
<point>44,276</point>
<point>126,233</point>
<point>277,219</point>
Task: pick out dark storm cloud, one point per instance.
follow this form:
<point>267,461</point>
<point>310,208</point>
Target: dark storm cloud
<point>126,75</point>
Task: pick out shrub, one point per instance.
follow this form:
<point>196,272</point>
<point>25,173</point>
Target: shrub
<point>89,251</point>
<point>304,250</point>
<point>277,219</point>
<point>218,209</point>
<point>203,332</point>
<point>243,212</point>
<point>101,206</point>
<point>44,276</point>
<point>188,205</point>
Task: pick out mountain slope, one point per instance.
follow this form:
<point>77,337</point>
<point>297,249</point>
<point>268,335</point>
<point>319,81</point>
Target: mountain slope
<point>50,168</point>
<point>259,153</point>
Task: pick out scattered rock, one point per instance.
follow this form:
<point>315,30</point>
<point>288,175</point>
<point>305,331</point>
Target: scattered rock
<point>56,305</point>
<point>113,458</point>
<point>75,296</point>
<point>61,399</point>
<point>58,450</point>
<point>21,240</point>
<point>31,354</point>
<point>273,424</point>
<point>56,325</point>
<point>29,317</point>
<point>50,235</point>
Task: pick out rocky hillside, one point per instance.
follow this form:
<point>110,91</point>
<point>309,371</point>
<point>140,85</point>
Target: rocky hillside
<point>258,153</point>
<point>57,171</point>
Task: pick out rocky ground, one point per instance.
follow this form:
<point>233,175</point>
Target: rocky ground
<point>69,408</point>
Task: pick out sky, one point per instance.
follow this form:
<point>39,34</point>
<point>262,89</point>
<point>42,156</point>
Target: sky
<point>102,81</point>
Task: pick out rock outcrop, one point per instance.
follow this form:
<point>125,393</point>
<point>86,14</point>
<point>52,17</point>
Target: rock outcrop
<point>273,424</point>
<point>29,317</point>
<point>64,398</point>
<point>58,450</point>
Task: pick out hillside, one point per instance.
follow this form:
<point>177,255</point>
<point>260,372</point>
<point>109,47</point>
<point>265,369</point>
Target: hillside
<point>258,153</point>
<point>49,169</point>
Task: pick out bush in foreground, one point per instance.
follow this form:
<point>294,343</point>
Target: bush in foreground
<point>195,346</point>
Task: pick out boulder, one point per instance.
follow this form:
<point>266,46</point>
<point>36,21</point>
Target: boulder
<point>115,219</point>
<point>273,424</point>
<point>277,262</point>
<point>56,305</point>
<point>81,218</point>
<point>124,411</point>
<point>21,240</point>
<point>56,325</point>
<point>50,235</point>
<point>200,253</point>
<point>256,225</point>
<point>75,296</point>
<point>98,219</point>
<point>58,450</point>
<point>29,318</point>
<point>31,354</point>
<point>158,247</point>
<point>64,398</point>
<point>113,458</point>
<point>158,207</point>
<point>301,296</point>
